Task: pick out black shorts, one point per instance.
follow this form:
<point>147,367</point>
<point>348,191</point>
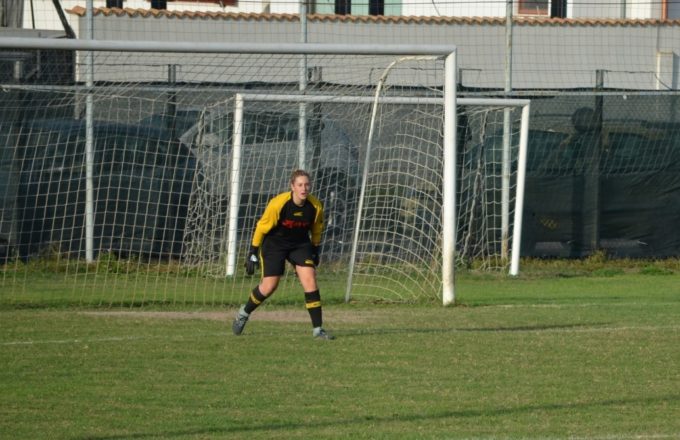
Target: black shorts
<point>274,256</point>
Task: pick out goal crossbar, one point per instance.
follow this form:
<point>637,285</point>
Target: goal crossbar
<point>500,102</point>
<point>256,48</point>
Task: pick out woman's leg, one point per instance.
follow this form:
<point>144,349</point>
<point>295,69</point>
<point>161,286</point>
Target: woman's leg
<point>260,293</point>
<point>307,277</point>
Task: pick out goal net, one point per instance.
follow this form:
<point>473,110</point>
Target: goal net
<point>398,238</point>
<point>139,179</point>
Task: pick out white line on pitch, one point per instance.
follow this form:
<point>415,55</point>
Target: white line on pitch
<point>109,339</point>
<point>629,437</point>
<point>564,306</point>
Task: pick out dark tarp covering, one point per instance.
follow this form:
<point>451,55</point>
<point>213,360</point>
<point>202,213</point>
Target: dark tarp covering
<point>608,180</point>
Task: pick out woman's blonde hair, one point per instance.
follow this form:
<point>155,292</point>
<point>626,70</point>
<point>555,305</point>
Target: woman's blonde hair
<point>298,173</point>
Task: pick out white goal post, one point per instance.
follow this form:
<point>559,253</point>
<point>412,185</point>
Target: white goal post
<point>449,214</point>
<point>400,111</point>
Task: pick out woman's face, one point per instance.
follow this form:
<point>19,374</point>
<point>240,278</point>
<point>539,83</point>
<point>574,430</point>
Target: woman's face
<point>300,187</point>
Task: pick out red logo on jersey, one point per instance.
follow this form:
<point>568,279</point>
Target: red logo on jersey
<point>293,224</point>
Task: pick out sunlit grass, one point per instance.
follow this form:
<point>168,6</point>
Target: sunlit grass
<point>577,351</point>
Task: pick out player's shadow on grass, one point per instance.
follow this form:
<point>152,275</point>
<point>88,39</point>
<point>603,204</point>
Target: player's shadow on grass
<point>369,420</point>
<point>497,329</point>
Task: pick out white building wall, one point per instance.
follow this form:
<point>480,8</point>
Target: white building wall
<point>280,7</point>
<point>644,10</point>
<point>42,14</point>
<point>442,8</point>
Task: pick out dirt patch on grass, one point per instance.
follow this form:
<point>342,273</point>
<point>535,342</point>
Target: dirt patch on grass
<point>260,315</point>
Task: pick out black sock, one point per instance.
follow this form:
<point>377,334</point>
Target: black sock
<point>313,304</point>
<point>256,298</point>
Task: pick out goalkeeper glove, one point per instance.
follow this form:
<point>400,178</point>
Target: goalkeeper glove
<point>316,255</point>
<point>253,260</point>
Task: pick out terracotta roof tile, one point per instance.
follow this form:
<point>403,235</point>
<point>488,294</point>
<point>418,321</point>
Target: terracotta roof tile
<point>522,21</point>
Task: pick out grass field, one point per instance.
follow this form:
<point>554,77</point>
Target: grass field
<point>559,355</point>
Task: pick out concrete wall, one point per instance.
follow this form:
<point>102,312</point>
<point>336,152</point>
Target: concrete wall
<point>633,56</point>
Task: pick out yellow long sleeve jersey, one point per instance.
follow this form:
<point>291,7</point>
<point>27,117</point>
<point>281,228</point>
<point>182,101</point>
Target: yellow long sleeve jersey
<point>290,224</point>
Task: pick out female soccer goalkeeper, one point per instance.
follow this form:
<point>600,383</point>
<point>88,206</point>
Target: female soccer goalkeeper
<point>290,229</point>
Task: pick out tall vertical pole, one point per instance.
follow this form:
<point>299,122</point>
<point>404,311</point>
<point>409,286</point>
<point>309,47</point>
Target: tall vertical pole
<point>449,185</point>
<point>519,198</point>
<point>89,138</point>
<point>302,125</point>
<point>591,195</point>
<point>507,138</point>
<point>235,185</point>
<point>171,107</point>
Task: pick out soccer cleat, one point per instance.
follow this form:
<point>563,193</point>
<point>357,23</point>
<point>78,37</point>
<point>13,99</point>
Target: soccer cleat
<point>320,333</point>
<point>239,322</point>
